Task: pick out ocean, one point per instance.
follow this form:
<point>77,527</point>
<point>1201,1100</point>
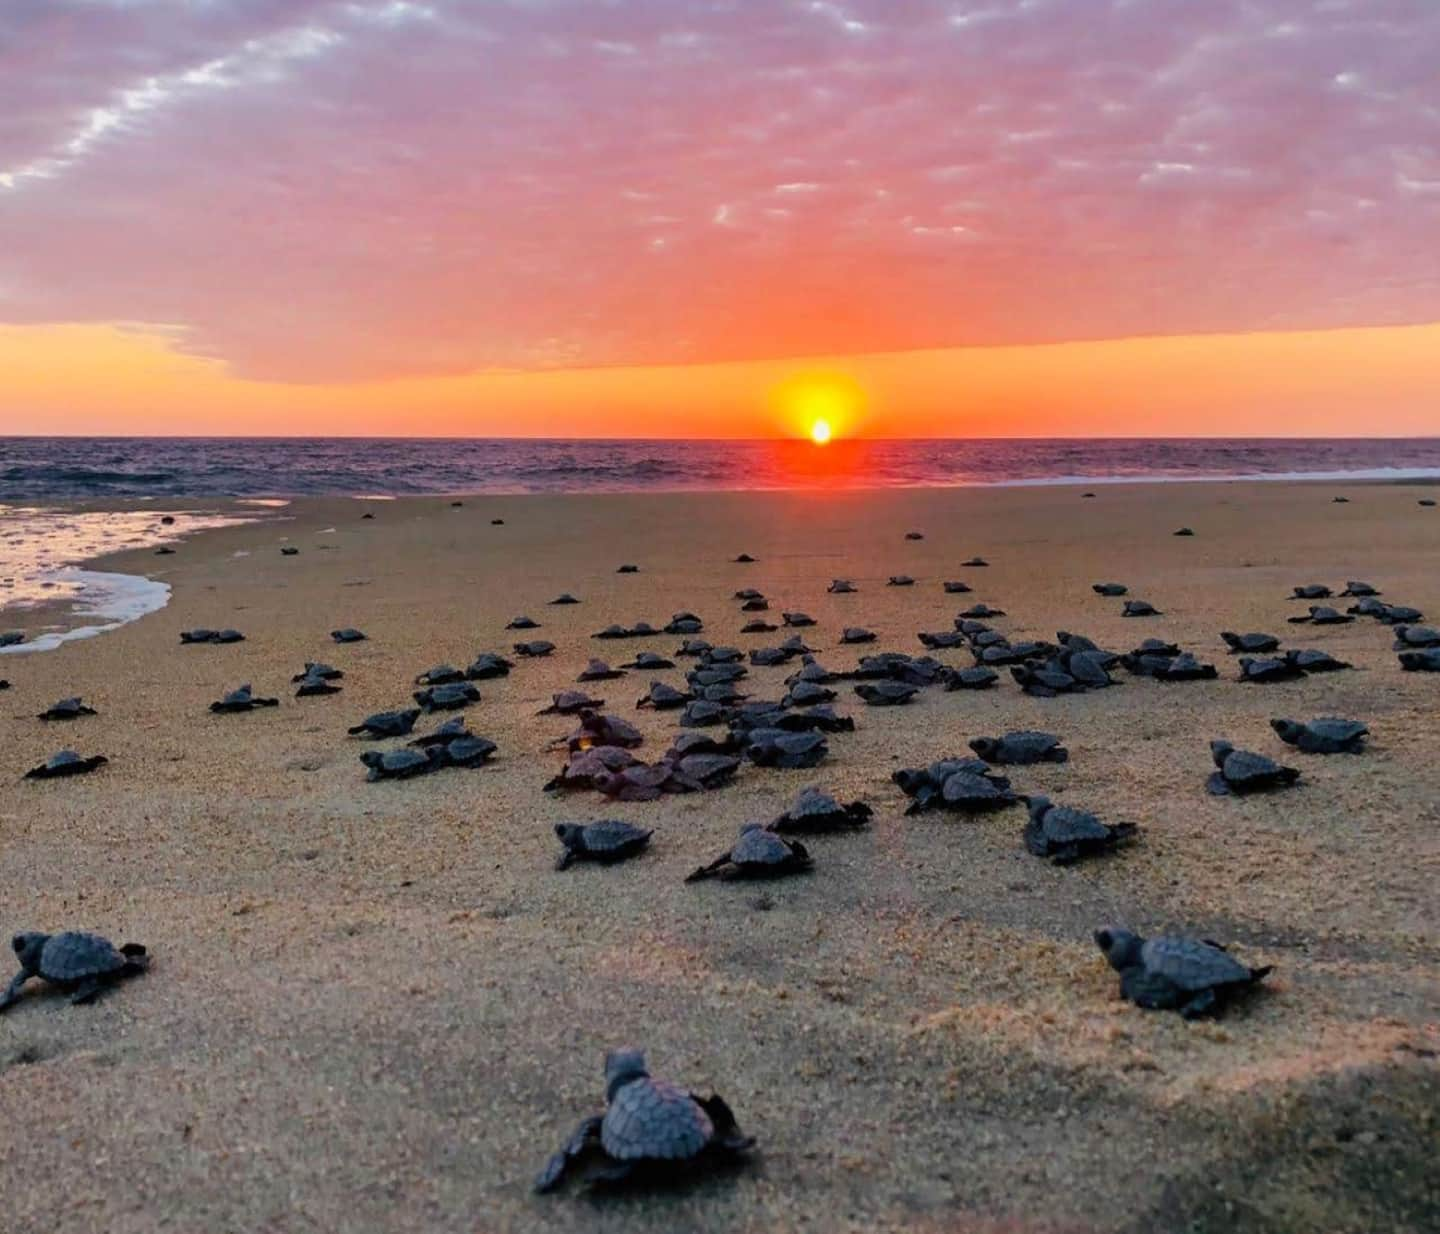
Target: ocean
<point>37,469</point>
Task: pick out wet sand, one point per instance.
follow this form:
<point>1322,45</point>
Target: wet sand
<point>378,1007</point>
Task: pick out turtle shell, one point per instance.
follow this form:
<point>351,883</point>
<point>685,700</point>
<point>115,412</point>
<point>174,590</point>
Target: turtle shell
<point>1190,964</point>
<point>654,1120</point>
<point>76,956</point>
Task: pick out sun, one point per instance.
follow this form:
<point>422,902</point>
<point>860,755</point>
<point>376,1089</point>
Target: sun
<point>820,432</point>
<point>819,405</point>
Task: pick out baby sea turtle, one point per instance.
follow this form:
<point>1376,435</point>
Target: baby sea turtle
<point>587,762</point>
<point>980,677</point>
<point>963,785</point>
<point>1021,748</point>
<point>797,619</point>
<point>954,587</point>
<point>981,612</point>
<point>315,685</point>
<point>1398,615</point>
<point>78,964</point>
<point>522,623</point>
<point>1357,588</point>
<point>1240,771</point>
<point>664,697</point>
<point>975,562</point>
<point>487,665</point>
<point>1322,615</point>
<point>914,535</point>
<point>367,515</point>
<point>494,522</point>
<point>65,763</point>
<point>886,693</point>
<point>449,697</point>
<point>67,709</point>
<point>1263,670</point>
<point>203,635</point>
<point>940,639</point>
<point>1140,608</point>
<point>649,1127</point>
<point>166,551</point>
<point>815,811</point>
<point>1183,531</point>
<point>771,747</point>
<point>289,551</point>
<point>841,586</point>
<point>13,638</point>
<point>628,568</point>
<point>452,730</point>
<point>758,627</point>
<point>607,841</point>
<point>1311,591</point>
<point>387,724</point>
<point>598,728</point>
<point>650,660</point>
<point>758,853</point>
<point>347,634</point>
<point>242,699</point>
<point>807,694</point>
<point>1407,637</point>
<point>684,623</point>
<point>402,764</point>
<point>1173,973</point>
<point>1340,501</point>
<point>598,670</point>
<point>564,598</point>
<point>1065,835</point>
<point>756,604</point>
<point>535,649</point>
<point>440,675</point>
<point>1426,501</point>
<point>569,703</point>
<point>1253,644</point>
<point>900,580</point>
<point>1109,589</point>
<point>701,713</point>
<point>744,559</point>
<point>1312,660</point>
<point>856,634</point>
<point>749,593</point>
<point>1426,661</point>
<point>1327,735</point>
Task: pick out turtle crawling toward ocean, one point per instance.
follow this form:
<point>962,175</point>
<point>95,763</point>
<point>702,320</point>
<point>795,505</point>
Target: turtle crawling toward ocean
<point>1183,531</point>
<point>78,964</point>
<point>1140,608</point>
<point>67,709</point>
<point>789,751</point>
<point>650,660</point>
<point>628,568</point>
<point>570,703</point>
<point>975,563</point>
<point>1327,735</point>
<point>886,693</point>
<point>487,665</point>
<point>856,634</point>
<point>386,724</point>
<point>963,785</point>
<point>535,649</point>
<point>1322,615</point>
<point>440,675</point>
<point>663,697</point>
<point>649,1127</point>
<point>347,634</point>
<point>450,697</point>
<point>564,598</point>
<point>980,677</point>
<point>955,587</point>
<point>1263,670</point>
<point>203,635</point>
<point>1240,772</point>
<point>607,841</point>
<point>1020,748</point>
<point>744,559</point>
<point>1172,973</point>
<point>900,580</point>
<point>1250,644</point>
<point>758,853</point>
<point>1355,587</point>
<point>1311,591</point>
<point>914,535</point>
<point>815,811</point>
<point>402,764</point>
<point>1109,589</point>
<point>522,623</point>
<point>1065,835</point>
<point>841,586</point>
<point>1408,637</point>
<point>598,670</point>
<point>241,699</point>
<point>316,684</point>
<point>65,763</point>
<point>1424,661</point>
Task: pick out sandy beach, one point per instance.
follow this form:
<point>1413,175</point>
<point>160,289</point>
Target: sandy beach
<point>379,1007</point>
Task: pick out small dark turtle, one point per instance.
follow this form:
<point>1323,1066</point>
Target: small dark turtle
<point>203,635</point>
<point>1407,637</point>
<point>797,619</point>
<point>1045,680</point>
<point>941,639</point>
<point>440,675</point>
<point>914,535</point>
<point>975,562</point>
<point>569,703</point>
<point>981,612</point>
<point>1426,501</point>
<point>807,694</point>
<point>768,657</point>
<point>1065,835</point>
<point>1427,661</point>
<point>1354,588</point>
<point>401,764</point>
<point>598,670</point>
<point>1398,615</point>
<point>1185,667</point>
<point>749,593</point>
<point>348,634</point>
<point>649,1126</point>
<point>1311,591</point>
<point>1254,644</point>
<point>449,697</point>
<point>1327,735</point>
<point>1322,615</point>
<point>702,770</point>
<point>886,693</point>
<point>627,568</point>
<point>13,638</point>
<point>387,724</point>
<point>756,604</point>
<point>1240,771</point>
<point>166,551</point>
<point>954,587</point>
<point>1140,608</point>
<point>1311,660</point>
<point>785,750</point>
<point>977,678</point>
<point>744,559</point>
<point>452,730</point>
<point>900,580</point>
<point>966,792</point>
<point>649,660</point>
<point>693,647</point>
<point>607,841</point>
<point>65,763</point>
<point>1265,670</point>
<point>564,598</point>
<point>1183,531</point>
<point>67,709</point>
<point>534,650</point>
<point>1340,501</point>
<point>522,623</point>
<point>468,750</point>
<point>1087,494</point>
<point>78,964</point>
<point>455,505</point>
<point>613,630</point>
<point>488,665</point>
<point>701,713</point>
<point>167,520</point>
<point>4,685</point>
<point>757,854</point>
<point>494,522</point>
<point>1109,589</point>
<point>289,551</point>
<point>841,586</point>
<point>664,697</point>
<point>242,699</point>
<point>758,627</point>
<point>856,634</point>
<point>1172,973</point>
<point>315,686</point>
<point>815,811</point>
<point>598,728</point>
<point>1020,748</point>
<point>684,623</point>
<point>638,782</point>
<point>587,763</point>
<point>367,515</point>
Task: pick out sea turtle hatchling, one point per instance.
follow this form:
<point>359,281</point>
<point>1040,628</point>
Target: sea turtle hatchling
<point>1426,661</point>
<point>79,964</point>
<point>522,623</point>
<point>387,724</point>
<point>1311,591</point>
<point>663,697</point>
<point>980,612</point>
<point>1250,644</point>
<point>1327,735</point>
<point>440,675</point>
<point>569,703</point>
<point>607,841</point>
<point>1171,973</point>
<point>314,668</point>
<point>914,535</point>
<point>769,747</point>
<point>963,785</point>
<point>67,709</point>
<point>449,697</point>
<point>649,1128</point>
<point>564,598</point>
<point>535,649</point>
<point>900,580</point>
<point>1240,771</point>
<point>956,587</point>
<point>975,563</point>
<point>65,763</point>
<point>598,670</point>
<point>797,619</point>
<point>758,853</point>
<point>759,626</point>
<point>488,665</point>
<point>240,699</point>
<point>402,764</point>
<point>650,660</point>
<point>1020,748</point>
<point>1355,587</point>
<point>315,686</point>
<point>1065,835</point>
<point>1322,615</point>
<point>347,634</point>
<point>856,634</point>
<point>886,693</point>
<point>815,811</point>
<point>1140,608</point>
<point>841,586</point>
<point>628,568</point>
<point>979,677</point>
<point>1263,670</point>
<point>1109,589</point>
<point>684,622</point>
<point>1408,637</point>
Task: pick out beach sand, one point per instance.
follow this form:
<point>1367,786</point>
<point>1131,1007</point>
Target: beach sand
<point>379,1007</point>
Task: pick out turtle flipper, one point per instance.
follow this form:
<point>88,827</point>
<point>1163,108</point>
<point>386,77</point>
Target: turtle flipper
<point>709,871</point>
<point>728,1135</point>
<point>1149,990</point>
<point>12,991</point>
<point>563,862</point>
<point>1203,1002</point>
<point>585,1136</point>
<point>86,991</point>
<point>1216,785</point>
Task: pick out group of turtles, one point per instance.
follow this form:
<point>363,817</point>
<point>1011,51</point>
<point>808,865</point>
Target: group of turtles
<point>650,1124</point>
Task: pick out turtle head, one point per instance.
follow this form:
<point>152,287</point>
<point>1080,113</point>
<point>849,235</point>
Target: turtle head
<point>1121,947</point>
<point>1220,751</point>
<point>1037,804</point>
<point>569,833</point>
<point>622,1067</point>
<point>985,747</point>
<point>1287,730</point>
<point>27,949</point>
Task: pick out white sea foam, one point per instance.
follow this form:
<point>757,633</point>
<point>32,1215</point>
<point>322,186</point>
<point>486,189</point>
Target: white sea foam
<point>113,598</point>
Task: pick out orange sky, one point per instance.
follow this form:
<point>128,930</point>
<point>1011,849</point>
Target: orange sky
<point>94,379</point>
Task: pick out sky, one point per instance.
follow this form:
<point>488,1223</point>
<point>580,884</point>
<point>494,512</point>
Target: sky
<point>712,217</point>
